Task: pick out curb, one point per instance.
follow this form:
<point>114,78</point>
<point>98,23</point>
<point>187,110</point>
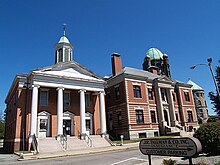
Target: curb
<point>74,154</point>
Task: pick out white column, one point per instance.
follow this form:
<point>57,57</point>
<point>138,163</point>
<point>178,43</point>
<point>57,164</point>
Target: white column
<point>171,108</point>
<point>63,55</point>
<point>102,113</point>
<point>160,104</point>
<point>34,106</point>
<point>82,112</point>
<point>60,111</point>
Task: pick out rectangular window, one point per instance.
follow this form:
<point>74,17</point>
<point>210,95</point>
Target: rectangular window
<point>137,91</point>
<point>163,94</point>
<point>43,98</point>
<point>150,94</point>
<point>88,100</point>
<point>66,98</point>
<point>43,124</point>
<point>186,94</point>
<point>119,118</point>
<point>139,117</point>
<point>142,135</point>
<point>117,92</point>
<point>153,116</point>
<point>177,118</point>
<point>60,51</point>
<point>190,116</point>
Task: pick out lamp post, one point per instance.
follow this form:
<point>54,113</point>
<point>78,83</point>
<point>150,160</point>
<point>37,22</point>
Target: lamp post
<point>213,76</point>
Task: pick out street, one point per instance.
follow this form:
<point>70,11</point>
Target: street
<point>122,157</point>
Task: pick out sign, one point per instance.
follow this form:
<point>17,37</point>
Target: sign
<point>181,147</point>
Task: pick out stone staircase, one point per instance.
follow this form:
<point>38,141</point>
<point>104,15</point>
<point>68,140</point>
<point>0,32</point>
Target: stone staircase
<point>50,144</point>
<point>178,131</point>
<point>98,141</point>
<point>74,143</point>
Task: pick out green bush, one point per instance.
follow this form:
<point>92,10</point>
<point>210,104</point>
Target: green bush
<point>169,162</point>
<point>209,136</point>
<point>217,163</point>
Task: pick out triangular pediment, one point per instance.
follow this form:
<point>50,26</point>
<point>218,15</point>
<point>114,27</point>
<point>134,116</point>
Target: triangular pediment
<point>68,70</point>
<point>68,113</point>
<point>43,113</point>
<point>163,79</point>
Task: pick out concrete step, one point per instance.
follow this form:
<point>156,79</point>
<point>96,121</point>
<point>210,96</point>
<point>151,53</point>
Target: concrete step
<point>46,145</point>
<point>74,143</point>
<point>98,141</point>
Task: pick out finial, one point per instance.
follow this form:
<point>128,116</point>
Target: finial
<point>64,28</point>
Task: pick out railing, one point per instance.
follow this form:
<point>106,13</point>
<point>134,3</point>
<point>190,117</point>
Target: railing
<point>88,140</point>
<point>179,126</point>
<point>63,141</point>
<point>34,143</point>
<point>108,140</point>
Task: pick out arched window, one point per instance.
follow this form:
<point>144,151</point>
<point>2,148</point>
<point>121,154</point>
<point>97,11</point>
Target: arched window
<point>60,57</point>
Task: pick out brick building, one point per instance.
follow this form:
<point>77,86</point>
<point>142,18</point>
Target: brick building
<point>64,98</point>
<point>147,103</point>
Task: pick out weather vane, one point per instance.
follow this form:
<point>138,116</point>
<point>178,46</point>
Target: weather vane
<point>64,28</point>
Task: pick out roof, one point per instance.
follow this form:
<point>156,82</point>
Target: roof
<point>64,39</point>
<point>141,73</point>
<point>70,69</point>
<point>194,85</point>
<point>134,72</point>
<point>154,53</point>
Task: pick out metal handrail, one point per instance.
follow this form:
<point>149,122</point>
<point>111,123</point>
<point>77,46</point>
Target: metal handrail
<point>88,140</point>
<point>109,141</point>
<point>63,141</point>
<point>34,143</point>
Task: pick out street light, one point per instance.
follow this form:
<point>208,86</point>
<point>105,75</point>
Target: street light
<point>213,76</point>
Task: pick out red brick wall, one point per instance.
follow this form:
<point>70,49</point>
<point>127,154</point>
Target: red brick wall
<point>130,91</point>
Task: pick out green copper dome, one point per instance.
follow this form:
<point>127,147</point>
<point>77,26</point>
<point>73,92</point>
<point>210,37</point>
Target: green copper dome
<point>64,39</point>
<point>154,53</point>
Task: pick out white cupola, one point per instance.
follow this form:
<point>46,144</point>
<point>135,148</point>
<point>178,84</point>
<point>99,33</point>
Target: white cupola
<point>63,49</point>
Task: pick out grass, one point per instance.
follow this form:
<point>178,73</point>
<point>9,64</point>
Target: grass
<point>138,140</point>
<point>126,141</point>
<point>217,163</point>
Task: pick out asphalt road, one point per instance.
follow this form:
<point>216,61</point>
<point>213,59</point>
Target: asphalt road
<point>122,157</point>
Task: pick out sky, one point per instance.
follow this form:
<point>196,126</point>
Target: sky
<point>187,31</point>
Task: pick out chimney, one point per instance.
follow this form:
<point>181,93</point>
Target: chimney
<point>116,63</point>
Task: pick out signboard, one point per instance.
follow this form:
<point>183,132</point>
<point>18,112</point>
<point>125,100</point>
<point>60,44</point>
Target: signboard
<point>181,147</point>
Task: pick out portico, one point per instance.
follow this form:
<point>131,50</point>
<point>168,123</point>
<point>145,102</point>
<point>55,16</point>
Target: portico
<point>99,93</point>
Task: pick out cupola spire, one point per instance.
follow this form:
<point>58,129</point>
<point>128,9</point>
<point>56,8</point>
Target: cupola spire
<point>64,28</point>
<point>63,48</point>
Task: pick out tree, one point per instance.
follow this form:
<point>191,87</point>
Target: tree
<point>209,136</point>
<point>214,97</point>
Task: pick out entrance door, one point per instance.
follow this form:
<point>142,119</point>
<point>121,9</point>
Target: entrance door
<point>166,117</point>
<point>88,126</point>
<point>67,127</point>
<point>89,123</point>
<point>43,128</point>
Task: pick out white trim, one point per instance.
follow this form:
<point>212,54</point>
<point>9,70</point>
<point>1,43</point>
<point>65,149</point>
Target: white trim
<point>135,83</point>
<point>67,115</point>
<point>89,116</point>
<point>135,80</point>
<point>43,115</point>
<point>54,85</point>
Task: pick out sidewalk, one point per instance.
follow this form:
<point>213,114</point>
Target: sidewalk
<point>48,155</point>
